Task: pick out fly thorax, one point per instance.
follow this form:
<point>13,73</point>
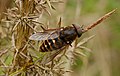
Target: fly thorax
<point>68,34</point>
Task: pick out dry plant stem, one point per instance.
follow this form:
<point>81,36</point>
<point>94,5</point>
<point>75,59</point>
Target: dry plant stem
<point>21,36</point>
<point>22,29</point>
<point>3,5</point>
<point>99,21</point>
<point>23,64</point>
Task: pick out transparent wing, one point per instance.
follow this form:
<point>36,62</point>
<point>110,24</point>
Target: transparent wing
<point>44,35</point>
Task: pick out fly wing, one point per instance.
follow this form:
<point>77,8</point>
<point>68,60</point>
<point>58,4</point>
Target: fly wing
<point>44,35</point>
<point>54,34</point>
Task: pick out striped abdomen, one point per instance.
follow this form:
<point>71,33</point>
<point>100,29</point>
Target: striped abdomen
<point>52,44</point>
<point>66,37</point>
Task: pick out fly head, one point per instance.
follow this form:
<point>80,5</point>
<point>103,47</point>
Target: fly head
<point>79,30</point>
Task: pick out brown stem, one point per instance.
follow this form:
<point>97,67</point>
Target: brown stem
<point>98,21</point>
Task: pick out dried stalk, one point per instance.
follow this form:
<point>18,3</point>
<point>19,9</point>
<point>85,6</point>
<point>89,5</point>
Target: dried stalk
<point>21,34</point>
<point>25,16</point>
<point>99,20</point>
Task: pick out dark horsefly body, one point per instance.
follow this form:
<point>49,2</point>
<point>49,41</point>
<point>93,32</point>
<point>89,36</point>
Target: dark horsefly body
<point>55,39</point>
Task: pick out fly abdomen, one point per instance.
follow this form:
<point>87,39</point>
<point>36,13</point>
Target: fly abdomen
<point>45,47</point>
<point>58,43</point>
<point>51,44</point>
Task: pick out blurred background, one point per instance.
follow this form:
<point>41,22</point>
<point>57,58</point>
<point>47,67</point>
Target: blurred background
<point>104,60</point>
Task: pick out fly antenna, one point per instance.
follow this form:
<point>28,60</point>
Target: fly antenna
<point>99,21</point>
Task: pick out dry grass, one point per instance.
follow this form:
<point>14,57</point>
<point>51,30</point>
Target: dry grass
<point>22,55</point>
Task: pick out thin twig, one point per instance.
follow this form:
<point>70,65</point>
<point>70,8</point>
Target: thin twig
<point>99,20</point>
